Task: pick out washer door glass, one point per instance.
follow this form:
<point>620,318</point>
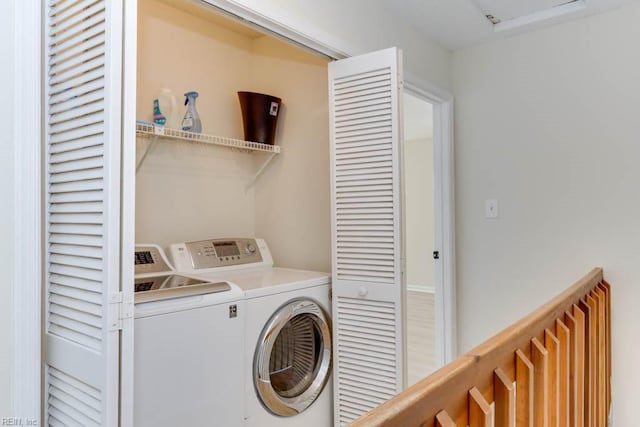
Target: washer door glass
<point>292,362</point>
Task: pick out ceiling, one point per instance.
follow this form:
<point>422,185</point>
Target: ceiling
<point>457,24</point>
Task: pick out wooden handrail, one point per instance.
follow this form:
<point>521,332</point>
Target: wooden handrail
<point>551,368</point>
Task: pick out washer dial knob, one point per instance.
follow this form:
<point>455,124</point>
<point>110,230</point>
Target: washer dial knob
<point>251,248</point>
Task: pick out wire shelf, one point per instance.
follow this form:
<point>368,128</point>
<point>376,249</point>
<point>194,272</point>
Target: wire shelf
<point>150,130</point>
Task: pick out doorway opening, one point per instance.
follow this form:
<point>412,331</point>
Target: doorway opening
<point>419,237</point>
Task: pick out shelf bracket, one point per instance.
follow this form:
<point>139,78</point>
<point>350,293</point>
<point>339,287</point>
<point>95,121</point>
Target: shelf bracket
<point>262,168</point>
<point>147,150</point>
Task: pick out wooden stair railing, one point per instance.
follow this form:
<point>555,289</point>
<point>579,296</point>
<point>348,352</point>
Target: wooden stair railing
<point>552,368</point>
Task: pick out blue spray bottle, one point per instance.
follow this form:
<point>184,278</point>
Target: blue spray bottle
<point>158,117</point>
<point>191,121</point>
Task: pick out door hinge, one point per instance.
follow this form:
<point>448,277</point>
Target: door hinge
<point>120,308</point>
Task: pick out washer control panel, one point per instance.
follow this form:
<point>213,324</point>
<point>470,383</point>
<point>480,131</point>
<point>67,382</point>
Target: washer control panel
<point>223,252</point>
<point>150,259</point>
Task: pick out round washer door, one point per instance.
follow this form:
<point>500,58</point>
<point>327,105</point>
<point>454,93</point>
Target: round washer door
<point>292,362</point>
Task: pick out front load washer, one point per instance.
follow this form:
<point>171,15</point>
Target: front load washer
<point>189,333</point>
<point>288,346</point>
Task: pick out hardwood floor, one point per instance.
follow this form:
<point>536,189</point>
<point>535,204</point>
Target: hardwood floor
<point>420,335</point>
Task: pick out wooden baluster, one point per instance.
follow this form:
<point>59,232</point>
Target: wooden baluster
<point>575,414</point>
<point>524,390</point>
<point>564,355</point>
<point>598,295</point>
<point>504,396</point>
<point>539,358</point>
<point>583,357</point>
<point>444,420</point>
<point>552,345</point>
<point>593,342</point>
<point>480,412</point>
<point>588,361</point>
<point>607,291</point>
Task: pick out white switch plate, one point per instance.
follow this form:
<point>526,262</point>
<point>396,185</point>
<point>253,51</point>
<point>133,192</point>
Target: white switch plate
<point>491,208</point>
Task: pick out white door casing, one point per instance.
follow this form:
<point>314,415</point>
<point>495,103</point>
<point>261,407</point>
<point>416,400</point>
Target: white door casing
<point>83,305</point>
<point>367,260</point>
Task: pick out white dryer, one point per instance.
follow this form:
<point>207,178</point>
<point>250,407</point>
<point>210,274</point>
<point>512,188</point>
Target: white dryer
<point>188,335</point>
<point>288,345</point>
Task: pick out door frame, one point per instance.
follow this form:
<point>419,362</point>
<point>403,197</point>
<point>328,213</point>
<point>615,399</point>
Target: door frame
<point>444,238</point>
<point>26,316</point>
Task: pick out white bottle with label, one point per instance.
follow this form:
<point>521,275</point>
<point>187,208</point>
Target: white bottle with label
<point>169,108</point>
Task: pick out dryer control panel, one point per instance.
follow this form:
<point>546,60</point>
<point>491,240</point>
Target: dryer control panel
<point>223,252</point>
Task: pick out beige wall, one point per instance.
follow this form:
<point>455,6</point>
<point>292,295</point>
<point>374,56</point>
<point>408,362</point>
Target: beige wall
<point>547,123</point>
<point>190,191</point>
<point>292,197</point>
<point>7,194</point>
<point>419,209</point>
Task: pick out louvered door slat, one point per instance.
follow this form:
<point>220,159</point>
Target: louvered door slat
<point>361,80</point>
<point>88,398</point>
<point>367,280</point>
<point>57,7</point>
<point>86,110</point>
<point>79,154</point>
<point>68,9</point>
<point>76,315</point>
<point>71,62</point>
<point>363,112</point>
<point>81,164</point>
<point>363,100</point>
<point>86,46</point>
<point>373,369</point>
<point>372,382</point>
<point>76,41</point>
<point>88,95</point>
<point>93,207</point>
<point>69,413</point>
<point>75,250</point>
<point>59,26</point>
<point>78,85</point>
<point>72,239</point>
<point>71,91</point>
<point>84,175</point>
<point>73,186</point>
<point>79,122</point>
<point>76,146</point>
<point>83,54</point>
<point>76,293</point>
<point>76,283</point>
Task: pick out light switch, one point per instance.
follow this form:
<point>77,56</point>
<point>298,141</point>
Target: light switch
<point>491,208</point>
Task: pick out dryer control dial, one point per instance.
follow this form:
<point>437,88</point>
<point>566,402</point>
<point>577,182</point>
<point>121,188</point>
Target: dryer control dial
<point>251,248</point>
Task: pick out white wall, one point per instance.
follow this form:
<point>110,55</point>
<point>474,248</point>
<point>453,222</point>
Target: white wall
<point>360,26</point>
<point>548,123</point>
<point>419,212</point>
<point>7,195</point>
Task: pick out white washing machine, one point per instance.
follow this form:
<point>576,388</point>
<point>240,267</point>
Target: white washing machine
<point>288,346</point>
<point>188,335</point>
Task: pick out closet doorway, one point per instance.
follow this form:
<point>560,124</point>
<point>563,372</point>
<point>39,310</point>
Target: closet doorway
<point>419,232</point>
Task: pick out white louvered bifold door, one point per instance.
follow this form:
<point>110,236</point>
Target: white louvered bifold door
<point>364,99</point>
<point>83,71</point>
